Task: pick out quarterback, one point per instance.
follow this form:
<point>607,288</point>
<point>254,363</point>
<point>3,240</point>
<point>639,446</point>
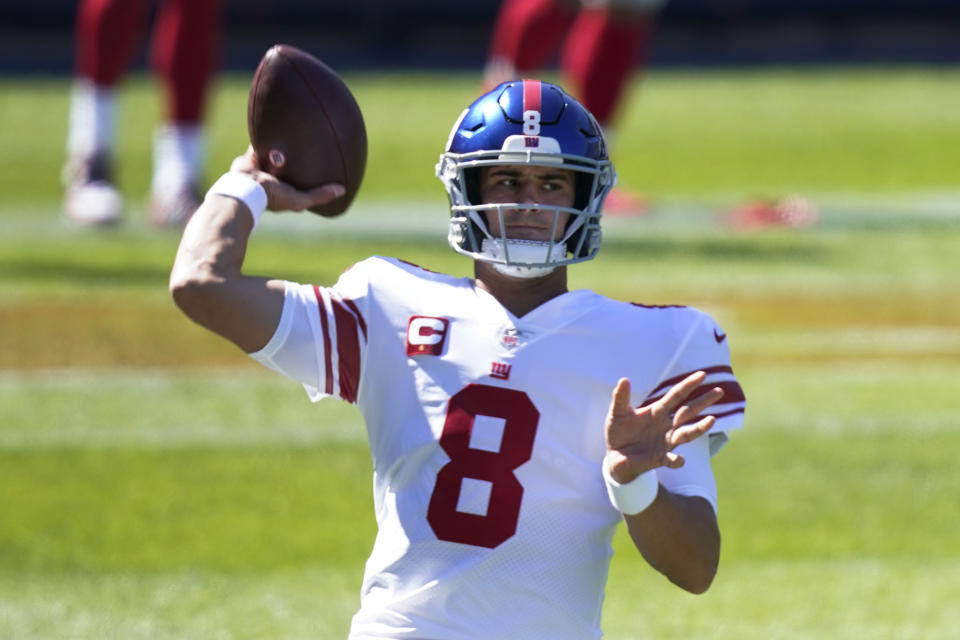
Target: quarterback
<point>513,424</point>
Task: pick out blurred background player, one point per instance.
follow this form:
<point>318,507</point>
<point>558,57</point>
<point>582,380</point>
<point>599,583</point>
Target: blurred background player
<point>184,45</point>
<point>600,43</point>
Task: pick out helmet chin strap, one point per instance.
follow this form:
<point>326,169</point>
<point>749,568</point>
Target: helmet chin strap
<point>515,271</point>
<point>533,254</point>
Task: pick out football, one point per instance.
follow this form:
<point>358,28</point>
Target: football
<point>305,125</point>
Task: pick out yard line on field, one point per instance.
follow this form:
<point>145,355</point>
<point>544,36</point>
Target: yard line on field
<point>158,409</point>
<point>822,422</point>
<point>428,218</point>
<point>80,378</point>
<point>897,597</point>
<point>161,409</point>
<point>853,340</point>
<point>177,604</point>
<point>182,436</point>
<point>854,398</point>
<point>863,373</point>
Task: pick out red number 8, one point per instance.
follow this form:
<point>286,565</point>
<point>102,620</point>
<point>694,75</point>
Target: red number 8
<point>506,493</point>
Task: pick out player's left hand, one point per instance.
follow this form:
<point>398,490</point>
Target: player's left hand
<point>642,439</point>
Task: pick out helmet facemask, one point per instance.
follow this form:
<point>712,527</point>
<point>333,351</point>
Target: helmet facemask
<point>469,233</point>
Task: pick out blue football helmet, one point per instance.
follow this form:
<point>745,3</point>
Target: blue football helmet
<point>533,123</point>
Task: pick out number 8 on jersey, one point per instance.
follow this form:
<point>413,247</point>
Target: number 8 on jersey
<point>506,493</point>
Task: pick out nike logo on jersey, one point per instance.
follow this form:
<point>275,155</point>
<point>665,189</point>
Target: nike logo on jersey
<point>719,337</point>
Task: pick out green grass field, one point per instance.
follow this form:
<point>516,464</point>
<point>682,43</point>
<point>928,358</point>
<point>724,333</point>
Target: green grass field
<point>155,483</point>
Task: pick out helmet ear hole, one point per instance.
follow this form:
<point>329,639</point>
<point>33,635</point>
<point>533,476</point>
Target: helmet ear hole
<point>471,180</point>
<point>583,188</point>
<point>574,239</point>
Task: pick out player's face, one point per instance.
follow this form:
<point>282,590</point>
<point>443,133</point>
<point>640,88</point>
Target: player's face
<point>525,184</point>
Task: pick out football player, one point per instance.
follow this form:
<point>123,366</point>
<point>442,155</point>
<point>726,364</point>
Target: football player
<point>512,423</point>
<point>183,55</point>
<point>600,43</point>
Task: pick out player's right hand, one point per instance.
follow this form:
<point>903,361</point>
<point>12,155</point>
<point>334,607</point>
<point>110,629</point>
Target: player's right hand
<point>280,195</point>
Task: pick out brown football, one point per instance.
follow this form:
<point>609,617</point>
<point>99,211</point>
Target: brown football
<point>305,126</point>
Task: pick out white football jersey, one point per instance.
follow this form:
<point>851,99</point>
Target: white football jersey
<point>487,437</point>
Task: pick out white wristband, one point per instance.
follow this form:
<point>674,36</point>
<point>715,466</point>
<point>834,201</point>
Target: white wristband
<point>634,496</point>
<point>244,188</point>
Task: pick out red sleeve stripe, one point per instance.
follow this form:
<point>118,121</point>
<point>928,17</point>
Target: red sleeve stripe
<point>732,392</point>
<point>724,414</point>
<point>718,415</point>
<point>674,380</point>
<point>659,306</point>
<point>353,307</point>
<point>324,324</point>
<point>348,350</point>
<point>416,266</point>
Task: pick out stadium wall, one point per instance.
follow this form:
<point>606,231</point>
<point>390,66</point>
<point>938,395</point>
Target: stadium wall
<point>37,37</point>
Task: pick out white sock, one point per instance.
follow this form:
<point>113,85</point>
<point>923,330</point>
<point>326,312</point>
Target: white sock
<point>178,152</point>
<point>93,115</point>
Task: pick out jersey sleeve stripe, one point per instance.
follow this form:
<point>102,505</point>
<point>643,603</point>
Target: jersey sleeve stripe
<point>666,384</point>
<point>348,349</point>
<point>325,325</point>
<point>732,392</point>
<point>360,321</point>
<point>724,414</point>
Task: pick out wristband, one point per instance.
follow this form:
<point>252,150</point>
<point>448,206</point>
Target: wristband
<point>634,496</point>
<point>242,187</point>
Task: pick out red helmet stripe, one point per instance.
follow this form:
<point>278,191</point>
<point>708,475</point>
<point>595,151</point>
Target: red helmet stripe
<point>531,95</point>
